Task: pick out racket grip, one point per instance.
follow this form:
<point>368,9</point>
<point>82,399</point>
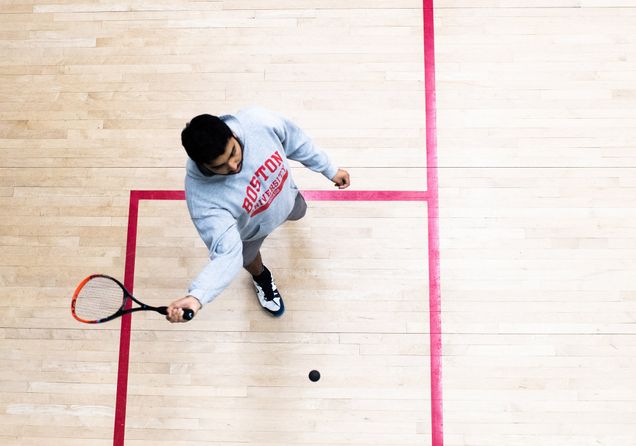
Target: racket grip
<point>188,314</point>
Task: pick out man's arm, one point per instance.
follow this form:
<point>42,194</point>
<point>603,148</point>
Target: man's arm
<point>299,147</point>
<point>225,262</point>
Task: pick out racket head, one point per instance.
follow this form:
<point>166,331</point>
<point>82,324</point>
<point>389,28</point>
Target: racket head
<point>98,298</point>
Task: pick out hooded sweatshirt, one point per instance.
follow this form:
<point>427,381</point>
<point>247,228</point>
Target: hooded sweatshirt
<point>229,209</point>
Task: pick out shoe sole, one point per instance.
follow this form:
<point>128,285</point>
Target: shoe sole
<point>278,313</point>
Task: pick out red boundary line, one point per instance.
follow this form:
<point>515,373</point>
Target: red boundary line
<point>432,186</point>
<point>313,195</point>
<point>431,196</point>
<point>124,337</point>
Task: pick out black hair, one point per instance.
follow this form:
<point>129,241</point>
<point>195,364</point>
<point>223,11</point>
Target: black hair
<point>205,138</point>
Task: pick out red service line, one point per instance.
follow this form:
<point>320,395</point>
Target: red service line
<point>313,195</point>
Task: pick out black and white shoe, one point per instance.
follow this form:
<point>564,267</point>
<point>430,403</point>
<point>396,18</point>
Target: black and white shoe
<point>267,293</point>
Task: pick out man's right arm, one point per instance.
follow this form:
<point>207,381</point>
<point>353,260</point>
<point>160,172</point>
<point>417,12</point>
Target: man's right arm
<point>226,259</point>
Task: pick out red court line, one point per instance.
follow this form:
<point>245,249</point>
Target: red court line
<point>313,195</point>
<point>432,185</point>
<point>159,194</point>
<point>124,337</point>
<point>364,195</point>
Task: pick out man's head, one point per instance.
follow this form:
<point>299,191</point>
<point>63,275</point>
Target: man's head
<point>211,144</point>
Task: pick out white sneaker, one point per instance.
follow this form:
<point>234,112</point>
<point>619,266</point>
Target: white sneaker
<point>267,293</point>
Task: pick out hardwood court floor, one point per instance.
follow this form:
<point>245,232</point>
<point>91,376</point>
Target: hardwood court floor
<point>536,138</point>
<point>536,142</point>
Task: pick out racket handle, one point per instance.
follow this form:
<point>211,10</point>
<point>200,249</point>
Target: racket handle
<point>188,314</point>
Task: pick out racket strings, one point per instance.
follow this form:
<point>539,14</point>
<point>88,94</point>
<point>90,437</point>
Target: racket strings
<point>99,298</point>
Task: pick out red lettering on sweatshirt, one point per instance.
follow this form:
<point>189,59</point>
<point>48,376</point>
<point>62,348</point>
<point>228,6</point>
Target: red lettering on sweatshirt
<point>260,172</point>
<point>255,204</point>
<point>271,193</point>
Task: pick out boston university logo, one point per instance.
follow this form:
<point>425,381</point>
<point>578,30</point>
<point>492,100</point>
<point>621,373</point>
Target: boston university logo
<point>257,199</point>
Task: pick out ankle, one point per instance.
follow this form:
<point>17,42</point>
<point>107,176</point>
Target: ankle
<point>263,276</point>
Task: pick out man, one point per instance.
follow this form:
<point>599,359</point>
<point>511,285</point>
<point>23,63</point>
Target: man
<point>238,190</point>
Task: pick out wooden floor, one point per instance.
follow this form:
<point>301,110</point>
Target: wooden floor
<point>536,105</point>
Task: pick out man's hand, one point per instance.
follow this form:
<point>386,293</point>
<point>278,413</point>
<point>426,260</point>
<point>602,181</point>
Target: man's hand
<point>175,309</point>
<point>342,179</point>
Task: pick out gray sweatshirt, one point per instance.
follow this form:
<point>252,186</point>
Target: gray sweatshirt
<point>230,209</point>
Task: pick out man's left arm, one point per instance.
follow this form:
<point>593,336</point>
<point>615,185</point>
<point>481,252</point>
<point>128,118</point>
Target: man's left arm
<point>299,147</point>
